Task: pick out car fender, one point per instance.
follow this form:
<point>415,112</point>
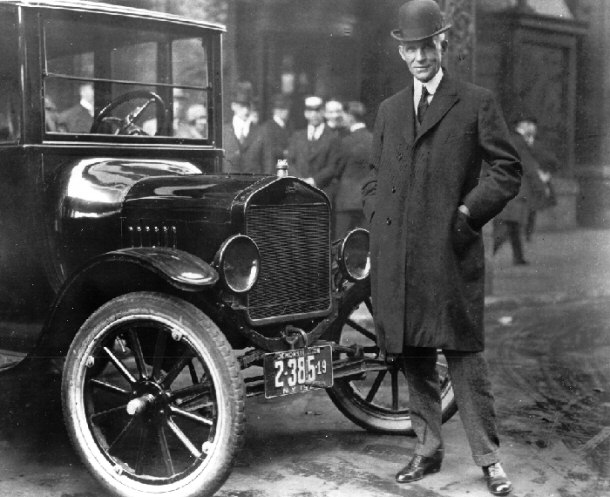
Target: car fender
<point>181,269</point>
<point>112,274</point>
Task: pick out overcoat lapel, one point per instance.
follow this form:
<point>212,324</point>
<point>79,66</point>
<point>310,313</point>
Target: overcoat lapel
<point>445,97</point>
<point>408,112</point>
<point>248,140</point>
<point>318,145</point>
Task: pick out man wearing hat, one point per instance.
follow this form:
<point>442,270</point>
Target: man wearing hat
<point>239,136</point>
<point>353,169</point>
<point>313,152</point>
<point>509,223</point>
<point>427,201</point>
<point>274,135</point>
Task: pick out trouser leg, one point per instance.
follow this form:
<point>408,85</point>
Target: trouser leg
<point>472,389</point>
<point>530,225</point>
<point>424,398</point>
<point>500,233</point>
<point>515,240</point>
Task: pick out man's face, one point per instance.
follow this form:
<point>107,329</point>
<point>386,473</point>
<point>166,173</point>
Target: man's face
<point>314,117</point>
<point>423,57</point>
<point>333,112</point>
<point>283,114</point>
<point>528,130</point>
<point>240,110</point>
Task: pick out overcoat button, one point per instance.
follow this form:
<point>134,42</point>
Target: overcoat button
<point>393,189</point>
<point>388,221</point>
<point>399,156</point>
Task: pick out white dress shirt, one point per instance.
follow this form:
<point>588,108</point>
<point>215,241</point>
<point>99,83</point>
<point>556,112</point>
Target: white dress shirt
<point>431,86</point>
<point>314,133</point>
<point>241,128</point>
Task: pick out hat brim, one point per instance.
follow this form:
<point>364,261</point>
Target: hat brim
<point>397,34</point>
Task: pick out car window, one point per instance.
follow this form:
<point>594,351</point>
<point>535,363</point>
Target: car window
<point>125,78</point>
<point>10,124</point>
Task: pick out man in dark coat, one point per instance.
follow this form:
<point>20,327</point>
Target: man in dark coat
<point>509,224</point>
<point>353,169</point>
<point>313,152</point>
<point>240,135</point>
<point>427,201</point>
<point>79,118</point>
<point>274,134</point>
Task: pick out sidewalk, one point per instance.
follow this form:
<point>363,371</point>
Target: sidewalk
<point>564,265</point>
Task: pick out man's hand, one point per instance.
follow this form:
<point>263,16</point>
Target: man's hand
<point>464,210</point>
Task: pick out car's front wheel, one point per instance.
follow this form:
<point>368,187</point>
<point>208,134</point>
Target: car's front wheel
<point>153,398</point>
<point>376,397</point>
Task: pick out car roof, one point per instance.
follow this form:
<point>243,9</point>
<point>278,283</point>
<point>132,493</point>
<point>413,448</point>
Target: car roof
<point>106,8</point>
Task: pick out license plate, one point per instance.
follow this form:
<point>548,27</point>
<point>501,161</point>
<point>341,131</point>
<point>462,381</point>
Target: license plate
<point>298,370</point>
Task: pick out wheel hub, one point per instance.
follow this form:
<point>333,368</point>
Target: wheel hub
<point>146,396</point>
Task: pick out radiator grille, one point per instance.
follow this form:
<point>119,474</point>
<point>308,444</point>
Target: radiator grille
<point>294,244</point>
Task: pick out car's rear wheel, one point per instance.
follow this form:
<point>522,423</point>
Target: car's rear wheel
<point>376,399</point>
<point>153,398</point>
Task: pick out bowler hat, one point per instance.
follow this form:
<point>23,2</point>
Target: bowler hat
<point>523,115</point>
<point>418,20</point>
<point>280,101</point>
<point>243,93</point>
<point>356,109</point>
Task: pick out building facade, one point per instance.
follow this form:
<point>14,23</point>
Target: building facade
<point>549,58</point>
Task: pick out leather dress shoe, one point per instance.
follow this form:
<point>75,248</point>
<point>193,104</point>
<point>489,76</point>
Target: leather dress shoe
<point>497,481</point>
<point>419,466</point>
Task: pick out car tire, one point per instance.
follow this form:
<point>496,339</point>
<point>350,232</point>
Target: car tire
<point>165,415</point>
<point>375,400</point>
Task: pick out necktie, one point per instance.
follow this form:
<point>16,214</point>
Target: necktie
<point>423,105</point>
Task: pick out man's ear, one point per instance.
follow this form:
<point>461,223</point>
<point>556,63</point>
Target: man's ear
<point>401,51</point>
<point>444,45</point>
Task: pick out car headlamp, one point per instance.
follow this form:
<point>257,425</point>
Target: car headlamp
<point>238,263</point>
<point>354,256</point>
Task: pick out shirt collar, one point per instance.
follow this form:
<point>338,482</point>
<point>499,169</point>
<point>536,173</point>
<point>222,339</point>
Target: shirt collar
<point>88,107</point>
<point>356,127</point>
<point>315,131</point>
<point>279,122</point>
<point>240,126</point>
<point>431,85</point>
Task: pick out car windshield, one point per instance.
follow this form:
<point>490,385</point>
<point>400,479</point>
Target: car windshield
<point>133,79</point>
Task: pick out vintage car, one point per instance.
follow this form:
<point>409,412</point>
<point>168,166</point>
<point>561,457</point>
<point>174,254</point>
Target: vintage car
<point>164,291</point>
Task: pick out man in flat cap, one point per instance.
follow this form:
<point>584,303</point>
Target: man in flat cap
<point>313,152</point>
<point>427,201</point>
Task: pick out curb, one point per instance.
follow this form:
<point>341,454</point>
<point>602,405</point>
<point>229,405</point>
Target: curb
<point>510,302</point>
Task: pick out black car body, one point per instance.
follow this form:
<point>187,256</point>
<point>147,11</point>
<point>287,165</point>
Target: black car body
<point>147,278</point>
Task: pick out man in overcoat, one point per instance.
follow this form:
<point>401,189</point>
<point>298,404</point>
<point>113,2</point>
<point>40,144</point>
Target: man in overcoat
<point>274,134</point>
<point>509,224</point>
<point>240,135</point>
<point>313,152</point>
<point>354,156</point>
<point>427,200</point>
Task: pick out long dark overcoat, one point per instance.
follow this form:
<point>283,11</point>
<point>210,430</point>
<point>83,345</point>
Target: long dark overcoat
<point>318,159</point>
<point>354,157</point>
<point>427,276</point>
<point>531,195</point>
<point>240,157</point>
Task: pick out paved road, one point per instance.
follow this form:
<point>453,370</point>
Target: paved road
<point>551,375</point>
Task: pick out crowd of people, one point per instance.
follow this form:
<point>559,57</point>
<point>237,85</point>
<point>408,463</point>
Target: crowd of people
<point>440,164</point>
<point>331,152</point>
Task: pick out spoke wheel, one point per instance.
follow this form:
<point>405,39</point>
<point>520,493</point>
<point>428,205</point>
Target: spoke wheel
<point>377,400</point>
<point>153,398</point>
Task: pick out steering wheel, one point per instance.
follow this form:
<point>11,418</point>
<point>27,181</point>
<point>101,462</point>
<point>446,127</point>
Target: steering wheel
<point>126,125</point>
